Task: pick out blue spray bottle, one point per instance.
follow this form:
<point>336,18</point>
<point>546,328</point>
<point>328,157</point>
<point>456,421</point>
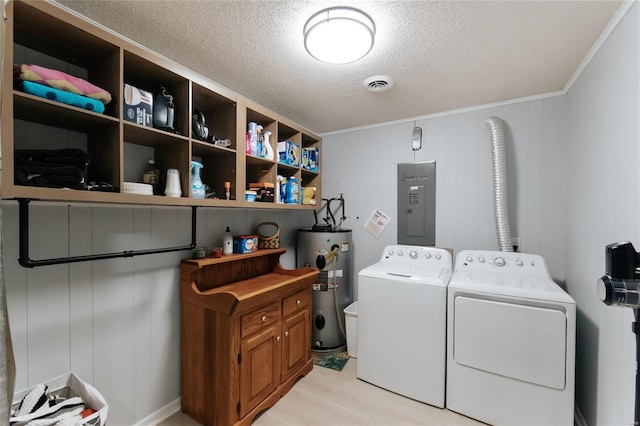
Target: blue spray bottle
<point>197,187</point>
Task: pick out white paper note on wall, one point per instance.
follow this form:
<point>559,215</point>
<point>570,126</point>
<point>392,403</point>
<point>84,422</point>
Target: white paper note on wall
<point>377,222</point>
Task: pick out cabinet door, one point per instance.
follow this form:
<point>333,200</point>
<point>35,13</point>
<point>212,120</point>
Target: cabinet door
<point>297,343</point>
<point>259,367</point>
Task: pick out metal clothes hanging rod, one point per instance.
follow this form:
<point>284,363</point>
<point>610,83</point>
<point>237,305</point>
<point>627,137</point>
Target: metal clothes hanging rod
<point>25,261</point>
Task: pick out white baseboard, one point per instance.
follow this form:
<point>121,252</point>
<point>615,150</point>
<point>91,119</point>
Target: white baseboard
<point>162,414</point>
<point>578,418</point>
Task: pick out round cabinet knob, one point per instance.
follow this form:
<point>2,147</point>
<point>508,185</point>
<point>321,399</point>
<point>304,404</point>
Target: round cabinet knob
<point>413,254</point>
<point>298,302</point>
<point>428,255</point>
<point>469,259</point>
<point>519,262</point>
<point>277,338</point>
<point>499,261</point>
<point>481,259</point>
<point>264,318</point>
<point>286,334</point>
<point>438,256</point>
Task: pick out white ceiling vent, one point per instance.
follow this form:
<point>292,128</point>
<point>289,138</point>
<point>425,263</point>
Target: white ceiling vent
<point>378,83</point>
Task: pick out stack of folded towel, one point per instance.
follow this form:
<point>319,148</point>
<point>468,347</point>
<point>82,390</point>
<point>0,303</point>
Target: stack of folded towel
<point>59,86</point>
<point>54,168</point>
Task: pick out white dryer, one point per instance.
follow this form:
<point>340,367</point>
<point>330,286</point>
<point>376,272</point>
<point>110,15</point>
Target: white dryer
<point>402,317</point>
<point>511,341</point>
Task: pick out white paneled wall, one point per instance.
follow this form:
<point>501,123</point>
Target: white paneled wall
<point>362,164</point>
<point>603,206</point>
<point>115,323</point>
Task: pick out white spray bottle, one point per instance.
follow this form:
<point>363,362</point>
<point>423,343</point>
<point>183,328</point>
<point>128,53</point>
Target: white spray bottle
<point>269,154</point>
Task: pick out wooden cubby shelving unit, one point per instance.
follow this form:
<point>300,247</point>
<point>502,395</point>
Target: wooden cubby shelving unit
<point>110,61</point>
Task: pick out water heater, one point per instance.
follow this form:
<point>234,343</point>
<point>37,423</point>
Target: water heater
<point>417,203</point>
<point>328,250</point>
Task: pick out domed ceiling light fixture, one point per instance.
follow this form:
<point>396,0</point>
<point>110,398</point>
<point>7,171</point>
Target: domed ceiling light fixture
<point>339,35</point>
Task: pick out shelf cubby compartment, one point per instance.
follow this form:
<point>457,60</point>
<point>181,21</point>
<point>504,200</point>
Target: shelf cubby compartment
<point>259,169</point>
<point>170,151</point>
<point>146,75</point>
<point>311,177</point>
<point>268,124</point>
<point>219,166</point>
<point>98,59</point>
<point>53,125</point>
<point>219,113</point>
<point>288,133</point>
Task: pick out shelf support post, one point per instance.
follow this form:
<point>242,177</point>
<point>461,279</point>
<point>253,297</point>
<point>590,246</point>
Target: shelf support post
<point>23,220</point>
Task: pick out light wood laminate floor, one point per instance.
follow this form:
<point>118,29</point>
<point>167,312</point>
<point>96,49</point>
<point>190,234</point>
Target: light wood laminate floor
<point>329,397</point>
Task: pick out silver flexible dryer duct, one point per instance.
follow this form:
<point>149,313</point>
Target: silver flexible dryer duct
<point>500,183</point>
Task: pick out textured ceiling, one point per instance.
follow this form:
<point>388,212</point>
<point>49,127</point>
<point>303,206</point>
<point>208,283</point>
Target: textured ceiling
<point>442,55</point>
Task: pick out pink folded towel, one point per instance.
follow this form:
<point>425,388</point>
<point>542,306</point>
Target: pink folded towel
<point>62,81</point>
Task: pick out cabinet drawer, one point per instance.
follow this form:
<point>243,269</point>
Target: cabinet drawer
<point>295,302</point>
<point>259,318</point>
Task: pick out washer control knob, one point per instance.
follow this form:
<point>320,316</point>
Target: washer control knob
<point>400,253</point>
<point>438,256</point>
<point>519,262</point>
<point>469,258</point>
<point>499,261</point>
<point>481,259</point>
<point>428,255</point>
<point>413,254</point>
<point>390,252</point>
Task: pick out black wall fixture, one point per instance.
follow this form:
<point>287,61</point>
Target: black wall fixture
<point>25,261</point>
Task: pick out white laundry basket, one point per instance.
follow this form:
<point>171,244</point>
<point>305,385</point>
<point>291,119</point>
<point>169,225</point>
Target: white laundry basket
<point>63,389</point>
<point>351,321</point>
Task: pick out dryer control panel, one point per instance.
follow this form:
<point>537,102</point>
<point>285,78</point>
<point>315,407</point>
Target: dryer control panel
<point>497,261</point>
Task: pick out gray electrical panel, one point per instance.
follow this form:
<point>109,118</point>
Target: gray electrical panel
<point>417,203</point>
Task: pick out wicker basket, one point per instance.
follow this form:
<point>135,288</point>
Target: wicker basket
<point>268,242</point>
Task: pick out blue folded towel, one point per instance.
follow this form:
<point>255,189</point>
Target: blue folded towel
<point>62,96</point>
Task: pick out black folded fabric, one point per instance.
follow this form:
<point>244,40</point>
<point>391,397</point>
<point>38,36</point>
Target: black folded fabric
<point>54,168</point>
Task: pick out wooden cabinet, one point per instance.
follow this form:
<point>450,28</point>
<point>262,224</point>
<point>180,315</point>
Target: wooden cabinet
<point>45,34</point>
<point>246,334</point>
<point>297,326</point>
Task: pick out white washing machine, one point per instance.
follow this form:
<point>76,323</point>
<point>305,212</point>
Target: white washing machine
<point>402,302</point>
<point>510,342</point>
